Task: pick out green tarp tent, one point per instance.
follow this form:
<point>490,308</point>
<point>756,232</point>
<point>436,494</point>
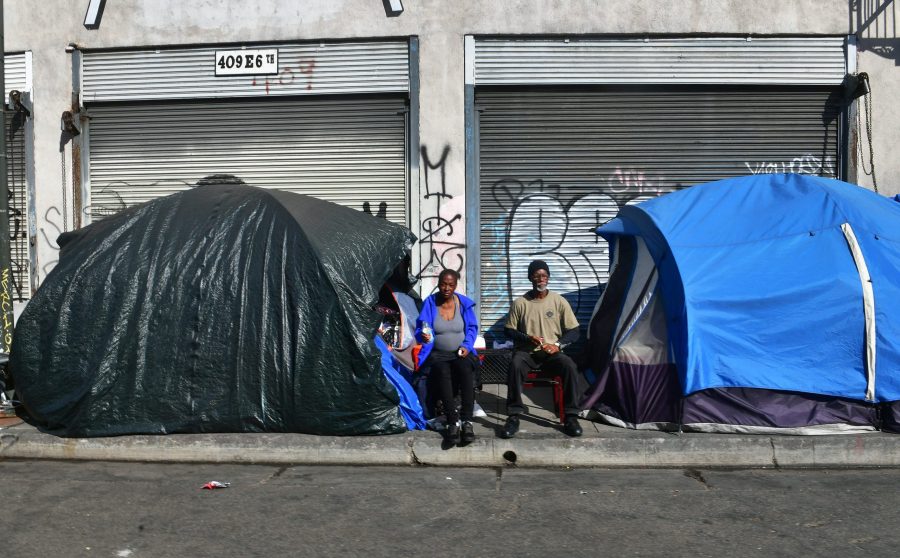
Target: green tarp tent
<point>223,308</point>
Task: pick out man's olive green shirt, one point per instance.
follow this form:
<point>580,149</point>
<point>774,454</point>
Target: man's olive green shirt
<point>547,317</point>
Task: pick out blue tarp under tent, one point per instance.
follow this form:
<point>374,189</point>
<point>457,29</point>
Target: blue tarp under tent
<point>767,303</point>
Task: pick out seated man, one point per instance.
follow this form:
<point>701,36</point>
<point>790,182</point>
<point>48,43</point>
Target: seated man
<point>540,323</point>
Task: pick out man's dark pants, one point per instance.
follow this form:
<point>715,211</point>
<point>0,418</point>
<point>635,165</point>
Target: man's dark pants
<point>524,362</point>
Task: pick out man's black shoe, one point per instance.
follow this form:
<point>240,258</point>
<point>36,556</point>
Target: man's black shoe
<point>511,427</point>
<point>572,428</point>
<point>466,433</point>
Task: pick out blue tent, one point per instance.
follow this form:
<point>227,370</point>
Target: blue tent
<point>724,295</point>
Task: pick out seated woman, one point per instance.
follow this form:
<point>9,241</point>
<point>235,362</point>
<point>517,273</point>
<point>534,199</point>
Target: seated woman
<point>448,327</point>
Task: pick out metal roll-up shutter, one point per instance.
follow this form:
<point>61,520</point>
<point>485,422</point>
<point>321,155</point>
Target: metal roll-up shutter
<point>189,73</point>
<point>346,150</point>
<point>556,164</point>
<point>816,60</point>
<point>15,72</point>
<point>16,77</point>
<point>18,206</point>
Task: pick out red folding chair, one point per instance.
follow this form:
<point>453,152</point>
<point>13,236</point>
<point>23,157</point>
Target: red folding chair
<point>549,379</point>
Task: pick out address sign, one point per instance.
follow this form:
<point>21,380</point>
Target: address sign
<point>247,62</point>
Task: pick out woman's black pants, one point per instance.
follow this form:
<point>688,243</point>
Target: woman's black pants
<point>449,376</point>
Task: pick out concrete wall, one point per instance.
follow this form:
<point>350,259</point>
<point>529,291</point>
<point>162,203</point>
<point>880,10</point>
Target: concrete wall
<point>46,27</point>
<point>876,26</point>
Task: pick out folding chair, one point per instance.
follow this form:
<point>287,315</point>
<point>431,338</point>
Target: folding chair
<point>553,380</point>
<point>495,363</point>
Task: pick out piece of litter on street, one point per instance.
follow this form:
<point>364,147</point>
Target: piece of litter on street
<point>216,484</point>
<point>584,491</point>
<point>449,478</point>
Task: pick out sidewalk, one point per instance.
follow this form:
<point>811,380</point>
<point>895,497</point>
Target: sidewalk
<point>540,443</point>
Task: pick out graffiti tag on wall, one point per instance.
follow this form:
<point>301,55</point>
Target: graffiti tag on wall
<point>543,221</point>
<point>805,164</point>
<point>288,76</point>
<point>442,223</point>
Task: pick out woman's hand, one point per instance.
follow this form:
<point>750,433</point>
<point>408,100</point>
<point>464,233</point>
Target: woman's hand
<point>463,352</point>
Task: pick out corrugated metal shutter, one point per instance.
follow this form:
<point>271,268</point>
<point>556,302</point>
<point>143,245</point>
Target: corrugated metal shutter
<point>349,151</point>
<point>18,207</point>
<point>556,164</point>
<point>15,75</point>
<point>304,69</point>
<point>696,60</point>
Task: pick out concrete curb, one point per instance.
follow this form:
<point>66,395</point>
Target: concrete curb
<point>622,448</point>
<point>212,448</point>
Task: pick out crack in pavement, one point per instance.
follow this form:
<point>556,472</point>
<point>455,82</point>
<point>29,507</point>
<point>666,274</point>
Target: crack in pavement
<point>697,476</point>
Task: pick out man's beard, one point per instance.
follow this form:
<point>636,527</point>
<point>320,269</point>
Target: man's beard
<point>540,288</point>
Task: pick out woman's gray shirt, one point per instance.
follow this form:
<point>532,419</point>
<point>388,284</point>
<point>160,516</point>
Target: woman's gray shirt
<point>449,334</point>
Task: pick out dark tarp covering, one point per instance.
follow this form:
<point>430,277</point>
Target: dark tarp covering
<point>224,308</point>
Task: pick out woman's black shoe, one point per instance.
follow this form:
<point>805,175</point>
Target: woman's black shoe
<point>467,433</point>
<point>452,433</point>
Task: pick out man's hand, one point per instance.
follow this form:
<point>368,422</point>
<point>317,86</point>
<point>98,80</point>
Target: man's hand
<point>426,337</point>
<point>538,341</point>
<point>550,348</point>
<point>463,352</point>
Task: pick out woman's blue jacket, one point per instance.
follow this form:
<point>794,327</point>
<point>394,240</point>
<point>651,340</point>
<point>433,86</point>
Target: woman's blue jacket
<point>428,314</point>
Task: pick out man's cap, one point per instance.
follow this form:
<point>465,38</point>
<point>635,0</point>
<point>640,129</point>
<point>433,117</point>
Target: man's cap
<point>536,265</point>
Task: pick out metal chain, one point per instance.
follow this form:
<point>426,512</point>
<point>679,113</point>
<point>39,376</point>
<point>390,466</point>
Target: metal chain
<point>65,210</point>
<point>867,109</point>
<point>868,103</point>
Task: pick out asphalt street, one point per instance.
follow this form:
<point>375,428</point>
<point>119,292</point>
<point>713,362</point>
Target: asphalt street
<point>53,508</point>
